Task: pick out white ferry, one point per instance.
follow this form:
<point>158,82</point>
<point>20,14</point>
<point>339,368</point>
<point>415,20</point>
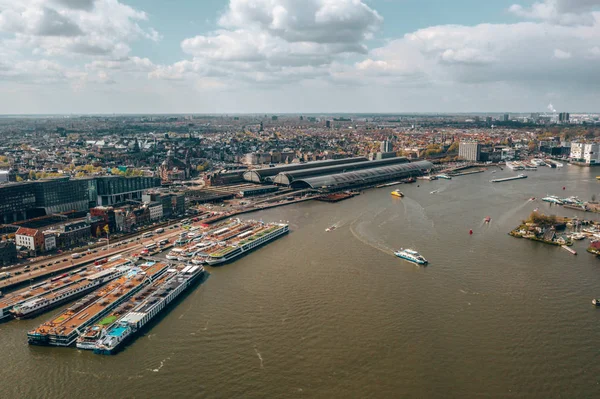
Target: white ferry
<point>411,256</point>
<point>228,253</point>
<point>553,200</point>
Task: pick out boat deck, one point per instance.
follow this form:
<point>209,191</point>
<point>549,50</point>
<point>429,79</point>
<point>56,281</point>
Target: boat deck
<point>74,317</point>
<point>49,288</point>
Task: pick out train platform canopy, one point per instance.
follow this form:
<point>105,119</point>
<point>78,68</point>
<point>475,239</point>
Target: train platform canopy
<point>286,178</point>
<point>339,181</point>
<point>266,175</point>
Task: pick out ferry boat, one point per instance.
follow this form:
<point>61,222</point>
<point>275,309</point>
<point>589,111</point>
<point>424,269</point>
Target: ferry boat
<point>553,200</point>
<point>145,311</point>
<point>47,302</point>
<point>397,193</point>
<point>444,176</point>
<point>411,256</point>
<point>267,233</point>
<point>538,162</point>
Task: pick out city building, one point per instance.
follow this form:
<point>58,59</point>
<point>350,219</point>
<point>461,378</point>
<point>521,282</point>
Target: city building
<point>72,234</point>
<point>8,253</point>
<point>17,202</point>
<point>386,146</point>
<point>107,214</point>
<point>588,153</point>
<point>62,195</point>
<point>564,117</point>
<point>4,176</point>
<point>469,151</point>
<point>156,210</point>
<point>32,239</point>
<point>117,189</point>
<point>506,118</point>
<point>49,240</point>
<point>508,154</point>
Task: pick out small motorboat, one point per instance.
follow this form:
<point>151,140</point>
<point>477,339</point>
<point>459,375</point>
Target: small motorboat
<point>596,302</point>
<point>397,193</point>
<point>532,199</point>
<point>487,219</point>
<point>434,192</point>
<point>331,228</point>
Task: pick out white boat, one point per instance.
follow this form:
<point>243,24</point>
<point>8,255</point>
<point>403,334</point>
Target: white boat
<point>46,302</point>
<point>553,200</point>
<point>411,256</point>
<point>230,252</point>
<point>434,192</point>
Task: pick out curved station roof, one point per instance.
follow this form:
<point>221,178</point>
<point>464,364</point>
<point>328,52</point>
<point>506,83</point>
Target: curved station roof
<point>364,176</point>
<point>265,175</point>
<point>286,178</point>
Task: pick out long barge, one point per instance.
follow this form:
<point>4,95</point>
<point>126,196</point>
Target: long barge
<point>51,286</point>
<point>162,294</point>
<point>51,300</point>
<point>64,329</point>
<point>258,237</point>
<point>509,178</point>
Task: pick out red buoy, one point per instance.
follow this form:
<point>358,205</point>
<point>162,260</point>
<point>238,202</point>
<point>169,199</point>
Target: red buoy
<point>471,232</point>
<point>564,188</point>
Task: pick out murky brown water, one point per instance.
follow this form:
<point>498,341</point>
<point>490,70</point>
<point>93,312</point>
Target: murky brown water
<point>319,314</point>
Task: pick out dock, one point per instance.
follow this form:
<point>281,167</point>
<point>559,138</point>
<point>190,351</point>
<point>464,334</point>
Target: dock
<point>572,251</point>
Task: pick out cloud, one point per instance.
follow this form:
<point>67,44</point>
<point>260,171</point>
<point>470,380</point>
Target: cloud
<point>561,55</point>
<point>268,41</point>
<point>87,5</point>
<point>73,27</point>
<point>562,12</point>
<point>318,21</point>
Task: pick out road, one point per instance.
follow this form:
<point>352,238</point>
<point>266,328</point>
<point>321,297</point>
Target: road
<point>62,263</point>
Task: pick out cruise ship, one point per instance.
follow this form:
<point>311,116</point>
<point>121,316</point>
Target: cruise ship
<point>411,256</point>
<point>52,285</point>
<point>260,235</point>
<point>46,302</point>
<point>64,329</point>
<point>161,295</point>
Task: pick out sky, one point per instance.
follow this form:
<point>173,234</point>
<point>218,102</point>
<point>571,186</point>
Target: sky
<point>298,56</point>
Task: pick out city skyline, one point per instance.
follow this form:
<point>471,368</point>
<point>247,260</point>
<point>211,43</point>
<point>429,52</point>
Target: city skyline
<point>282,56</point>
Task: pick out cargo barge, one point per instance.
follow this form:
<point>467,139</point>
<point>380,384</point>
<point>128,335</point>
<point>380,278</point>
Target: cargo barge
<point>161,295</point>
<point>64,329</point>
<point>509,179</point>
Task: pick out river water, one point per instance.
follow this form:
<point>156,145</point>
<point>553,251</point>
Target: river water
<point>318,314</point>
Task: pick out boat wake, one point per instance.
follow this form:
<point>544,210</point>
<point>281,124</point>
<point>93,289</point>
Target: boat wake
<point>259,358</point>
<point>162,363</point>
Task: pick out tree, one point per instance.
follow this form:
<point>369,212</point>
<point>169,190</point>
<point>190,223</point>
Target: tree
<point>19,178</point>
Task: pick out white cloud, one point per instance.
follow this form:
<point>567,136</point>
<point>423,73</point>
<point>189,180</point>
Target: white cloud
<point>73,27</point>
<point>562,12</point>
<point>561,55</point>
<point>277,41</point>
